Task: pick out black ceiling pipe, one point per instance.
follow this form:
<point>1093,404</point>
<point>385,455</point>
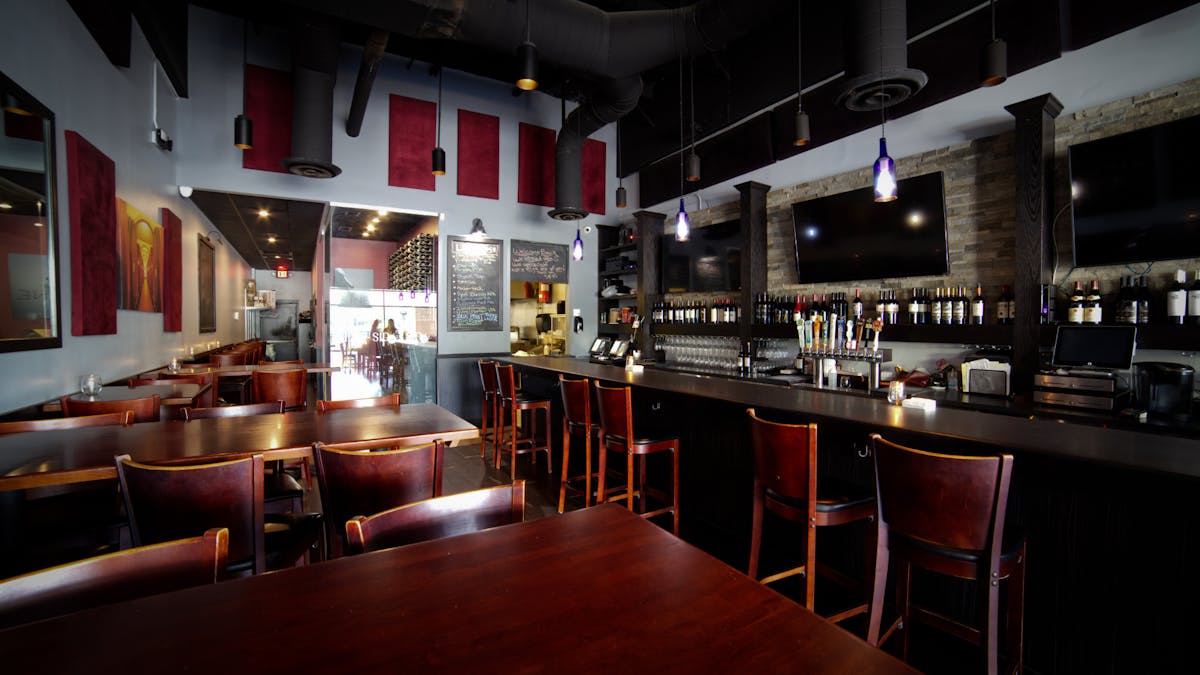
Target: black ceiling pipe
<point>372,56</point>
<point>314,71</point>
<point>877,72</point>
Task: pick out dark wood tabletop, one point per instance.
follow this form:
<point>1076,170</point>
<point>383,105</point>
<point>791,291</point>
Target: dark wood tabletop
<point>231,371</point>
<point>169,394</point>
<point>593,591</point>
<point>64,456</point>
<point>1049,436</point>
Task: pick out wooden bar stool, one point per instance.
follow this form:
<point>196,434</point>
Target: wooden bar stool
<point>511,403</point>
<point>945,513</point>
<point>785,483</point>
<point>489,405</point>
<point>577,419</point>
<point>616,435</point>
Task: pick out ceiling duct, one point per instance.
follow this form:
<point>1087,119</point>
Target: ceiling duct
<point>314,71</point>
<point>876,45</point>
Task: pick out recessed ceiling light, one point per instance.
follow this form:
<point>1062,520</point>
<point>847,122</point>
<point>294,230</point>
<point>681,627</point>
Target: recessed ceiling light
<point>263,213</point>
<point>370,228</point>
<point>366,234</point>
<point>374,220</point>
<point>5,205</point>
<point>277,257</point>
<point>270,240</point>
<point>382,212</point>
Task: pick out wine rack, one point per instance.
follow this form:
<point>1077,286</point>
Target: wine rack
<point>410,267</point>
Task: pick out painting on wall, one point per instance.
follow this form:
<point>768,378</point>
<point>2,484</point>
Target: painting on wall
<point>140,252</point>
<point>207,286</point>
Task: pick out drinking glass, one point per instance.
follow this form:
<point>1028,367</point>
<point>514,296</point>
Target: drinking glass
<point>896,392</point>
<point>90,384</point>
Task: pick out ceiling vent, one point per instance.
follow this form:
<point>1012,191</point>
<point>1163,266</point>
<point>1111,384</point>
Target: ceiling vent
<point>314,71</point>
<point>877,56</point>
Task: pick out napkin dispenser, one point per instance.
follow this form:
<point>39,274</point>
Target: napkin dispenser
<point>984,376</point>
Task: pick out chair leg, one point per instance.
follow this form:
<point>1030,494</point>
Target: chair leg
<point>756,526</point>
<point>878,586</point>
<point>587,468</point>
<point>602,448</point>
<point>483,423</point>
<point>903,588</point>
<point>675,487</point>
<point>566,461</point>
<point>629,480</point>
<point>546,440</point>
<point>1015,610</point>
<point>642,508</point>
<point>810,566</point>
<point>512,446</point>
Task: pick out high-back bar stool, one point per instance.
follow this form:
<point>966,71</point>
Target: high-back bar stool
<point>945,513</point>
<point>576,419</point>
<point>786,484</point>
<point>489,405</point>
<point>617,435</point>
<point>536,437</point>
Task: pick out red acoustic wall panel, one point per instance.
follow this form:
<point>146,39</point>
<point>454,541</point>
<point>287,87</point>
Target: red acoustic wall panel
<point>412,133</point>
<point>172,302</point>
<point>594,175</point>
<point>92,199</point>
<point>269,107</point>
<point>535,165</point>
<point>478,155</point>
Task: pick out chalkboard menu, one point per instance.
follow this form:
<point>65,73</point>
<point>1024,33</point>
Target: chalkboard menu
<point>537,261</point>
<point>474,272</point>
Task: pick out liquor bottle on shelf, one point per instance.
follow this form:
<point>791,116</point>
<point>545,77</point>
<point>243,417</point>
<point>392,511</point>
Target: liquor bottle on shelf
<point>978,306</point>
<point>923,306</point>
<point>912,307</point>
<point>1093,307</point>
<point>881,303</point>
<point>1120,307</point>
<point>935,307</point>
<point>1193,299</point>
<point>1177,296</point>
<point>1143,301</point>
<point>856,307</point>
<point>1075,309</point>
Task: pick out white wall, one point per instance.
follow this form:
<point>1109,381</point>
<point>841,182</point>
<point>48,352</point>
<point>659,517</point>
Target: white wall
<point>45,49</point>
<point>211,162</point>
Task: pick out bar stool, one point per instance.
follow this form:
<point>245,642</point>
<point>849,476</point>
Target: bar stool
<point>577,418</point>
<point>945,513</point>
<point>489,405</point>
<point>785,483</point>
<point>512,402</point>
<point>616,435</point>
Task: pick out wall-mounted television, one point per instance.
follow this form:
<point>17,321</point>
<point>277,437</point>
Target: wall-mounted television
<point>849,236</point>
<point>709,261</point>
<point>1135,196</point>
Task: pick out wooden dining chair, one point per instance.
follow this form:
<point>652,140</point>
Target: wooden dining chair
<point>115,577</point>
<point>228,358</point>
<point>289,362</point>
<point>786,484</point>
<point>277,483</point>
<point>231,388</point>
<point>265,408</point>
<point>173,502</point>
<point>386,401</point>
<point>358,478</point>
<point>617,434</point>
<point>946,514</point>
<point>437,518</point>
<point>145,409</point>
<point>289,385</point>
<point>125,418</point>
<point>205,400</point>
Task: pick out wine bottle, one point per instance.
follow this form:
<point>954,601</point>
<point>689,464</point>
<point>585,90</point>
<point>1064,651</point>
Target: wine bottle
<point>1093,311</point>
<point>1075,309</point>
<point>1177,296</point>
<point>1193,312</point>
<point>892,308</point>
<point>977,306</point>
<point>881,304</point>
<point>1003,315</point>
<point>913,309</point>
<point>935,307</point>
<point>947,306</point>
<point>857,307</point>
<point>1143,301</point>
<point>960,306</point>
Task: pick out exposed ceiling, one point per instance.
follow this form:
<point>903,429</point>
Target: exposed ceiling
<point>293,224</point>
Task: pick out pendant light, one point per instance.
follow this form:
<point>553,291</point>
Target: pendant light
<point>527,57</point>
<point>802,134</point>
<point>439,155</point>
<point>693,162</point>
<point>243,128</point>
<point>885,168</point>
<point>622,197</point>
<point>994,61</point>
<point>683,227</point>
<point>577,247</point>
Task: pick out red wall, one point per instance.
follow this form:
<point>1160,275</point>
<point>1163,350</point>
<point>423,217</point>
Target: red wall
<point>363,254</point>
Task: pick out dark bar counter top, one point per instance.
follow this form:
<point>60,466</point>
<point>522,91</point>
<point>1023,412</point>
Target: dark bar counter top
<point>1006,426</point>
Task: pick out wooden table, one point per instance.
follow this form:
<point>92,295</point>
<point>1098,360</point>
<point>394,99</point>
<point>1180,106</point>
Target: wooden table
<point>594,591</point>
<point>65,456</point>
<point>232,371</point>
<point>169,394</point>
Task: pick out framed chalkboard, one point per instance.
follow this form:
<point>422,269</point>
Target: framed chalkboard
<point>538,261</point>
<point>474,271</point>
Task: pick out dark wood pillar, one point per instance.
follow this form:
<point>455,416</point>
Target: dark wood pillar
<point>649,231</point>
<point>1034,148</point>
<point>753,200</point>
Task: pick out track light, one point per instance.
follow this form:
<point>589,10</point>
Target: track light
<point>693,170</point>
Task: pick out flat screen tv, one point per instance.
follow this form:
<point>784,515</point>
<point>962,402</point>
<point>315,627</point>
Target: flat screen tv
<point>709,261</point>
<point>849,236</point>
<point>1135,196</point>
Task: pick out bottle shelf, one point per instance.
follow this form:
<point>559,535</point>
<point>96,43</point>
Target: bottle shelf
<point>1149,336</point>
<point>987,334</point>
<point>618,273</point>
<point>619,296</point>
<point>619,248</point>
<point>615,329</point>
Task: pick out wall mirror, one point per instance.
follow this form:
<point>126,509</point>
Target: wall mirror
<point>29,298</point>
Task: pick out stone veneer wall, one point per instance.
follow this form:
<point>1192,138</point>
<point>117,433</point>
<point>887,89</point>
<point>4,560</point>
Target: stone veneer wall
<point>980,196</point>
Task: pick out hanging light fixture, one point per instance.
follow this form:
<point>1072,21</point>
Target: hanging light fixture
<point>38,222</point>
<point>622,197</point>
<point>577,247</point>
<point>683,227</point>
<point>802,134</point>
<point>527,57</point>
<point>243,128</point>
<point>885,168</point>
<point>439,155</point>
<point>994,62</point>
<point>693,162</point>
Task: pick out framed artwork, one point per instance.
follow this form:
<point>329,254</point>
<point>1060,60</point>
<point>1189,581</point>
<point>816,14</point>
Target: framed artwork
<point>140,252</point>
<point>207,285</point>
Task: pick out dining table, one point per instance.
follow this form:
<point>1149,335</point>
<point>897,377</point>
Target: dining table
<point>243,370</point>
<point>598,590</point>
<point>185,394</point>
<point>64,456</point>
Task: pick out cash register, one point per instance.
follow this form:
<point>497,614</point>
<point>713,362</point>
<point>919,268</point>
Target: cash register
<point>1085,368</point>
<point>608,351</point>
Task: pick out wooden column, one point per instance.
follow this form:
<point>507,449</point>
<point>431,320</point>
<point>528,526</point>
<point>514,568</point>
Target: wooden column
<point>753,200</point>
<point>1034,148</point>
<point>649,231</point>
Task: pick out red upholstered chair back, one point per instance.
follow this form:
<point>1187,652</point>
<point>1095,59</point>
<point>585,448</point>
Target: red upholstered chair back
<point>124,575</point>
<point>106,419</point>
<point>785,457</point>
<point>388,401</point>
<point>289,386</point>
<point>436,518</point>
<point>268,408</point>
<point>144,409</point>
<point>175,502</point>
